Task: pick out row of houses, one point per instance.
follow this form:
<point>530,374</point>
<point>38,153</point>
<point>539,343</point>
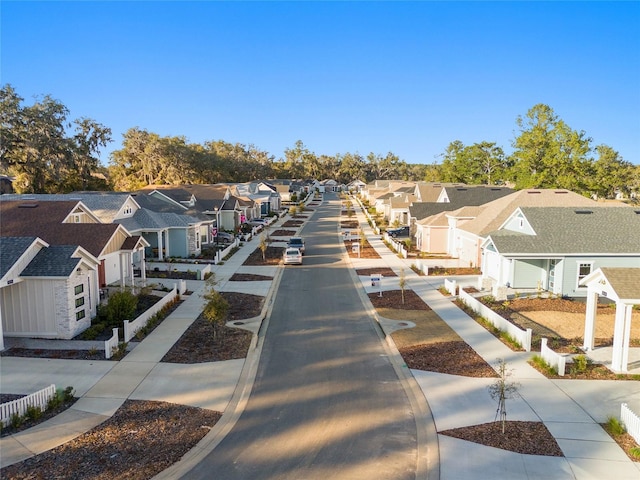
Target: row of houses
<point>541,239</point>
<point>59,252</point>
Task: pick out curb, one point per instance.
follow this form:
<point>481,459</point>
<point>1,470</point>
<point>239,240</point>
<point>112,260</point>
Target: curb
<point>428,462</point>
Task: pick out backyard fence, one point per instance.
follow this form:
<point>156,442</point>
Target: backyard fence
<point>523,337</point>
<point>39,399</point>
<point>554,359</point>
<point>131,328</point>
<point>631,422</point>
<point>111,344</point>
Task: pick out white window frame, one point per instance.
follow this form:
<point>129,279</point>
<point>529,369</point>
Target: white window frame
<point>578,277</point>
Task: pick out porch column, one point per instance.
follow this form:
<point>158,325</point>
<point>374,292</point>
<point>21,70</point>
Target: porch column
<point>167,246</point>
<point>621,332</point>
<point>143,267</point>
<point>590,319</point>
<point>160,246</point>
<point>129,256</point>
<point>122,259</point>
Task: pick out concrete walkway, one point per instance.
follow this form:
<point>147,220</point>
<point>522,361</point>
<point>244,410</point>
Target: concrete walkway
<point>103,386</point>
<point>570,409</point>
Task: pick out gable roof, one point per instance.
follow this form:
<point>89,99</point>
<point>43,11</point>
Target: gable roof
<point>11,250</point>
<point>103,205</point>
<point>493,214</point>
<point>45,220</point>
<point>625,281</point>
<point>54,261</point>
<point>570,230</point>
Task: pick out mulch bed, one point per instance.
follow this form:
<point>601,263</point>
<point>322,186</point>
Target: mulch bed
<point>283,233</point>
<point>393,299</point>
<point>172,274</point>
<point>516,437</point>
<point>50,353</point>
<point>384,271</point>
<point>292,223</point>
<point>273,256</point>
<point>139,441</point>
<point>28,423</point>
<point>249,277</point>
<point>438,271</point>
<point>366,251</point>
<point>453,358</point>
<point>197,344</point>
<point>349,224</point>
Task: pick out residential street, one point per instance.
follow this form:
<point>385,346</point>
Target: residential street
<point>326,402</point>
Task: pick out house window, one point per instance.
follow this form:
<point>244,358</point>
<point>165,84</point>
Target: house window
<point>79,302</point>
<point>77,218</point>
<point>79,289</point>
<point>127,210</point>
<point>584,269</point>
<point>80,315</point>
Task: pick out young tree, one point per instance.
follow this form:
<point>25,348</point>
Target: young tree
<point>264,244</point>
<point>503,389</point>
<point>216,308</point>
<point>402,283</point>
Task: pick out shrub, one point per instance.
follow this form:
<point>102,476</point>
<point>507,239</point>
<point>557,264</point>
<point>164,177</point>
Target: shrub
<point>93,331</point>
<point>122,306</point>
<point>615,426</point>
<point>33,412</point>
<point>16,420</point>
<point>580,363</point>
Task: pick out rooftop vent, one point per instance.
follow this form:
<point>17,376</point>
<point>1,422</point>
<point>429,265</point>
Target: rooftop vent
<point>28,205</point>
<point>532,192</point>
<point>560,192</point>
<point>584,212</point>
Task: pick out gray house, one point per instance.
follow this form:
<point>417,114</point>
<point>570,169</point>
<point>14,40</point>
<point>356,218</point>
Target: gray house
<point>555,248</point>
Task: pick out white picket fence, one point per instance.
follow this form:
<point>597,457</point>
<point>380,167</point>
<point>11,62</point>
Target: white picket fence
<point>397,245</point>
<point>523,337</point>
<point>220,254</point>
<point>131,328</point>
<point>111,344</point>
<point>554,359</point>
<point>451,286</point>
<point>631,421</point>
<point>38,399</point>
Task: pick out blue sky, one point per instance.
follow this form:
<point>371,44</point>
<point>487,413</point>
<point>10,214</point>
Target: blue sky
<point>401,77</point>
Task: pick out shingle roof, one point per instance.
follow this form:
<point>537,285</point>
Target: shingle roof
<point>570,230</point>
<point>625,281</point>
<point>476,195</point>
<point>54,261</point>
<point>11,249</point>
<point>105,205</point>
<point>44,220</point>
<point>494,214</point>
<point>459,197</point>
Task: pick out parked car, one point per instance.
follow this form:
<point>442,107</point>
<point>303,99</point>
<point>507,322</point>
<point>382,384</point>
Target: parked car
<point>258,221</point>
<point>296,242</point>
<point>292,256</point>
<point>224,237</point>
<point>399,232</point>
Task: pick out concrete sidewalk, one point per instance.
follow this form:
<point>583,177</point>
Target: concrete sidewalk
<point>570,409</point>
<point>103,386</point>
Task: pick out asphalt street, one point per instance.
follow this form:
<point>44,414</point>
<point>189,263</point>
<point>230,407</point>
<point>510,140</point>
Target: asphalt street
<point>326,401</point>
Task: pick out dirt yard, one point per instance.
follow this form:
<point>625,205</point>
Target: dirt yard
<point>570,325</point>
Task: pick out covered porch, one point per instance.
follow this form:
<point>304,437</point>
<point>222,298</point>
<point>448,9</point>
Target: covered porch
<point>622,286</point>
